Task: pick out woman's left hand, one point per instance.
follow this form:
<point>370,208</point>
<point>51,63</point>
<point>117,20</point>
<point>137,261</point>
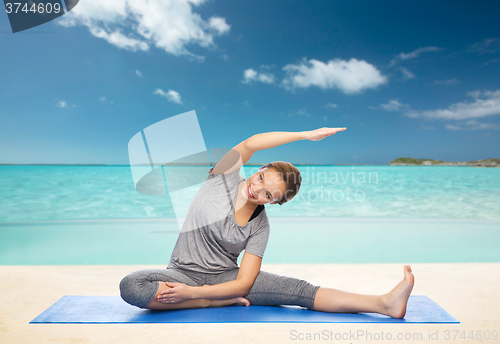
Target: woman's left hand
<point>177,292</point>
<point>320,134</point>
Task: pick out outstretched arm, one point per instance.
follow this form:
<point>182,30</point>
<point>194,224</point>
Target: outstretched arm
<point>265,141</point>
<point>249,269</point>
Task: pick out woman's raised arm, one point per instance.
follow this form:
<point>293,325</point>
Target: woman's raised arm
<point>230,162</point>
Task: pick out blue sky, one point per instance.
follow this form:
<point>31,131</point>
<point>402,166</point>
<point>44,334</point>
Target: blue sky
<point>418,79</point>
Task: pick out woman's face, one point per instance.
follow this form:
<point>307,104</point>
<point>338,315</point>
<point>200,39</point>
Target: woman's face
<point>265,186</point>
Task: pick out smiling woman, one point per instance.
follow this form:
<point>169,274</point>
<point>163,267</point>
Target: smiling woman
<point>282,171</point>
<point>226,217</point>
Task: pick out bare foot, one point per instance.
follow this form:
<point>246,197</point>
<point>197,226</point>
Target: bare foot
<point>395,301</point>
<point>240,301</point>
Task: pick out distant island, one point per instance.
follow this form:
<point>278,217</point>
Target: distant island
<point>396,162</point>
<point>431,162</point>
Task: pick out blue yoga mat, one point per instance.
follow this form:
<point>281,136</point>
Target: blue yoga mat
<point>112,309</point>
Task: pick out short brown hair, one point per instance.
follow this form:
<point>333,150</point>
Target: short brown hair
<point>290,175</point>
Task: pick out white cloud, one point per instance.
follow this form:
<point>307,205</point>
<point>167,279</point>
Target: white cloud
<point>301,112</point>
<point>331,105</point>
<point>119,39</point>
<point>427,127</point>
<point>105,100</point>
<point>350,77</point>
<point>138,73</point>
<point>393,105</point>
<point>473,125</point>
<point>219,24</point>
<point>448,82</point>
<point>485,103</point>
<point>406,73</point>
<point>417,52</point>
<point>251,75</point>
<point>62,104</point>
<point>486,46</point>
<point>452,127</point>
<point>413,54</point>
<point>491,61</point>
<point>171,95</point>
<point>136,25</point>
<point>246,103</point>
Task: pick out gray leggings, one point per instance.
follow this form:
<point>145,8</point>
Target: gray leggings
<point>139,288</point>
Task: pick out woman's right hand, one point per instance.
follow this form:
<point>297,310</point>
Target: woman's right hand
<point>176,293</point>
<point>320,134</point>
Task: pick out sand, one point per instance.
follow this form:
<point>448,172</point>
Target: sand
<point>468,291</point>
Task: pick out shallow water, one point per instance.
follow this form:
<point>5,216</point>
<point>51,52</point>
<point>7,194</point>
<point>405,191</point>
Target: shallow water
<point>292,240</point>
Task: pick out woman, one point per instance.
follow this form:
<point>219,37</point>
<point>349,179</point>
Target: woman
<point>226,217</point>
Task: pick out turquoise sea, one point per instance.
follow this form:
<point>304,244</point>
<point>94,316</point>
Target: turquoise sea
<point>94,215</point>
<point>41,193</point>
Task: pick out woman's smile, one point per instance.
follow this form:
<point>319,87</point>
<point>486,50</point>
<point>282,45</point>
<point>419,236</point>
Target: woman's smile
<point>249,192</point>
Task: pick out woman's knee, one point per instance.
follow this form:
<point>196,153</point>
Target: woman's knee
<point>137,289</point>
<point>271,289</point>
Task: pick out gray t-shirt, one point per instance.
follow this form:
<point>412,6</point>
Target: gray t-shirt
<point>211,240</point>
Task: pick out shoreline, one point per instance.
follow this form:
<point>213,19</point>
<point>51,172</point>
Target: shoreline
<point>337,241</point>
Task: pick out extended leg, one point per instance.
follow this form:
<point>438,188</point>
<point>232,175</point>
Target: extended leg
<point>274,290</point>
<point>392,304</point>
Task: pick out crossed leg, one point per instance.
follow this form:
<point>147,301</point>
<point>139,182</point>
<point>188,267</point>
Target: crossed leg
<point>141,289</point>
<point>194,303</point>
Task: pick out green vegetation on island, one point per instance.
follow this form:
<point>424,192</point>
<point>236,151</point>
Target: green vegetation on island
<point>431,162</point>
